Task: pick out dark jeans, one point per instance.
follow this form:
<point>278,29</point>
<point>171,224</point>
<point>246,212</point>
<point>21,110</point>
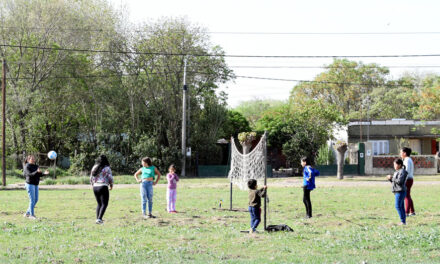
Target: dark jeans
<point>400,206</point>
<point>409,205</point>
<point>102,196</point>
<point>255,216</point>
<point>307,202</point>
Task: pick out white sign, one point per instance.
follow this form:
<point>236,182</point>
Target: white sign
<point>361,155</point>
<point>188,152</point>
<point>368,152</point>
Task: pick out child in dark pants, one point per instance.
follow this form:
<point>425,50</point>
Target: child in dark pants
<point>255,203</point>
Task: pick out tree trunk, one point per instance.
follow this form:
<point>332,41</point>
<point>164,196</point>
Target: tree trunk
<point>341,149</point>
<point>246,147</point>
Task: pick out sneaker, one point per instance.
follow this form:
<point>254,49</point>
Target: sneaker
<point>26,215</point>
<point>32,217</point>
<point>151,216</point>
<point>173,212</point>
<point>401,223</point>
<point>99,221</point>
<point>411,214</point>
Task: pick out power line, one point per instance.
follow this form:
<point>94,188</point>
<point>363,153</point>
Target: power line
<point>219,55</point>
<point>331,67</point>
<point>204,73</point>
<point>239,32</point>
<point>252,66</point>
<point>325,33</point>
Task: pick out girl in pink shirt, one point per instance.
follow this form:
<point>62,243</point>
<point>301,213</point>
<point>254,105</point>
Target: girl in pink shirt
<point>172,179</point>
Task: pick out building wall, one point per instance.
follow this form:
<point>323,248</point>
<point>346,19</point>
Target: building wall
<point>426,146</point>
<point>382,164</point>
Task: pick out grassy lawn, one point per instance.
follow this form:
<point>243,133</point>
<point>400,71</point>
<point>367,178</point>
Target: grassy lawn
<point>350,225</point>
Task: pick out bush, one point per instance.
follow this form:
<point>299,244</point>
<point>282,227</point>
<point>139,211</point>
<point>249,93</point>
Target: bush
<point>74,180</point>
<point>49,181</point>
<point>325,156</point>
<point>80,162</point>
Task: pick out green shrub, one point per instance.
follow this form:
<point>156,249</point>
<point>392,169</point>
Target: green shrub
<point>325,156</point>
<point>49,181</point>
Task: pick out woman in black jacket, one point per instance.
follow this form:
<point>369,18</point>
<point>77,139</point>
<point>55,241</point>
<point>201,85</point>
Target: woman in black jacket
<point>399,188</point>
<point>32,173</point>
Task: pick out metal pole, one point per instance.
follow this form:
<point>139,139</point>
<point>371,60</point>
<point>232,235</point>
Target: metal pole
<point>265,178</point>
<point>185,89</point>
<point>3,123</point>
<point>229,162</point>
<point>230,197</point>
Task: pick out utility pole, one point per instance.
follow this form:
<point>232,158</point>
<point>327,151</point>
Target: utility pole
<point>3,123</point>
<point>185,90</point>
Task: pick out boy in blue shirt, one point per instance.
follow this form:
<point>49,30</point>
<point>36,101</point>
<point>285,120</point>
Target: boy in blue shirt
<point>309,174</point>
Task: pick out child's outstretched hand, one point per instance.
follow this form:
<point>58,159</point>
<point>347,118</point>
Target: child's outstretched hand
<point>265,186</point>
<point>389,177</point>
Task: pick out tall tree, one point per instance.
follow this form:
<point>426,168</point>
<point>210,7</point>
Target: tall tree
<point>345,84</point>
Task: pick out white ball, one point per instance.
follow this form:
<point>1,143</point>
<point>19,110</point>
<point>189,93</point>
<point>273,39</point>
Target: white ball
<point>52,155</point>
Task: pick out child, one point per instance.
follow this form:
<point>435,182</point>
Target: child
<point>255,203</point>
<point>405,154</point>
<point>101,179</point>
<point>399,188</point>
<point>148,172</point>
<point>309,174</point>
<point>172,179</point>
<point>32,173</point>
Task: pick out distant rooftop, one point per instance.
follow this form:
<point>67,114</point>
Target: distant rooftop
<point>394,122</point>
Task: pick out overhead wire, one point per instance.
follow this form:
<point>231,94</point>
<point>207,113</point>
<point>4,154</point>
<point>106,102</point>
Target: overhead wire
<point>205,73</point>
<point>259,66</point>
<point>217,55</point>
<point>235,32</point>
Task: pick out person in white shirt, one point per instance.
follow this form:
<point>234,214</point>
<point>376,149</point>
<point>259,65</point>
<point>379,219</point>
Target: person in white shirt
<point>405,153</point>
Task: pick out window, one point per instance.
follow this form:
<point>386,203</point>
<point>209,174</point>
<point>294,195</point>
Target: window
<point>380,147</point>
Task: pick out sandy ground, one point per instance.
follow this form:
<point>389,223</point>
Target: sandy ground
<point>277,182</point>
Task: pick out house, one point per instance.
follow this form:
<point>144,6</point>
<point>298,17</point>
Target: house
<point>388,136</point>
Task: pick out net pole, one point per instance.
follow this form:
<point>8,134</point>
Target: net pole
<point>265,177</point>
<point>230,187</point>
<point>230,197</point>
<point>4,122</point>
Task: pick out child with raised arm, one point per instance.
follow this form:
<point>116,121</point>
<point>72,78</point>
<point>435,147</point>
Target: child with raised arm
<point>172,179</point>
<point>148,173</point>
<point>32,173</point>
<point>255,203</point>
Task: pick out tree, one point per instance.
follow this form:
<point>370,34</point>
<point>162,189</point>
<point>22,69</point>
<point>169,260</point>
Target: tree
<point>345,84</point>
<point>246,139</point>
<point>234,124</point>
<point>253,110</point>
<point>341,148</point>
<point>83,103</point>
<point>300,131</point>
<point>429,108</point>
<point>31,71</point>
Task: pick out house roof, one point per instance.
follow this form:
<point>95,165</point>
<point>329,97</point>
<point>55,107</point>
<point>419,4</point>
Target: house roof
<point>394,122</point>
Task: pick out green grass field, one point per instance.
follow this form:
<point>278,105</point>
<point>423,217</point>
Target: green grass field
<point>350,225</point>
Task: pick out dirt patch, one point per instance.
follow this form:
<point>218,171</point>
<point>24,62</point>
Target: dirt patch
<point>278,182</point>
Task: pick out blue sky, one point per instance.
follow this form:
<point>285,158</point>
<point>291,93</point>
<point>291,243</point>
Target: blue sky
<point>303,17</point>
